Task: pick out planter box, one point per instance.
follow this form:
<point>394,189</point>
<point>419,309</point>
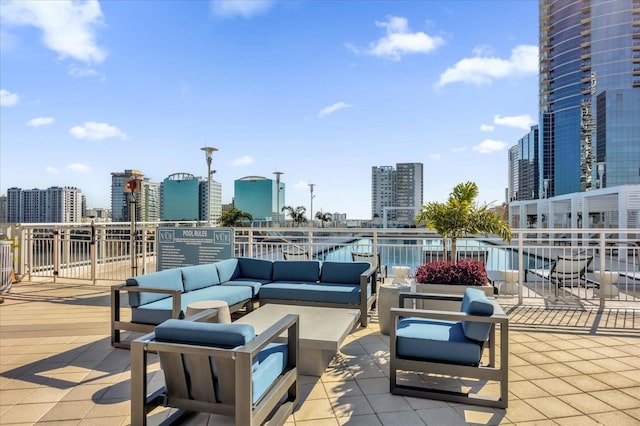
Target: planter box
<point>441,305</point>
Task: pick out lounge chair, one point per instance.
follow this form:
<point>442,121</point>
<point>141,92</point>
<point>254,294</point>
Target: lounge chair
<point>450,343</point>
<point>295,255</point>
<point>218,368</point>
<point>562,270</point>
<point>372,258</point>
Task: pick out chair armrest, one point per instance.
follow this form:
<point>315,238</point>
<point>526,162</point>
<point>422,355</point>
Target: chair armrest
<point>176,296</point>
<point>287,323</point>
<point>429,296</point>
<point>497,317</point>
<point>365,277</point>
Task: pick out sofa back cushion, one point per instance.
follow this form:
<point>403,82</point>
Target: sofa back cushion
<point>296,270</point>
<point>258,269</point>
<point>226,336</point>
<point>199,276</point>
<point>169,279</point>
<point>228,270</point>
<point>343,272</point>
<point>475,302</point>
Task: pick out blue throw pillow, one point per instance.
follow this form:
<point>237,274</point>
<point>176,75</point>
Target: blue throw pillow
<point>475,302</point>
<point>343,272</point>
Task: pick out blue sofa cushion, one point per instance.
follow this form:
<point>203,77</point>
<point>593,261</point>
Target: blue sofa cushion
<point>199,276</point>
<point>259,269</point>
<point>226,336</point>
<point>435,340</point>
<point>252,283</point>
<point>298,270</point>
<point>312,292</point>
<point>228,270</point>
<point>169,279</point>
<point>343,272</point>
<point>267,366</point>
<point>475,302</point>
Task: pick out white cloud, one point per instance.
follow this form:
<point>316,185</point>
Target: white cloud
<point>8,99</point>
<point>97,131</point>
<point>243,161</point>
<point>484,69</point>
<point>399,41</point>
<point>244,8</point>
<point>51,170</point>
<point>333,108</point>
<point>486,128</point>
<point>40,121</point>
<point>78,168</point>
<point>81,72</point>
<point>518,121</point>
<point>459,149</point>
<point>488,146</point>
<point>435,157</point>
<point>68,26</point>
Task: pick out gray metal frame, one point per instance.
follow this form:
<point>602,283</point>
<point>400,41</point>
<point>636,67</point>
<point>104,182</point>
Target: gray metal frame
<point>491,371</point>
<point>117,324</point>
<point>232,394</point>
<point>366,304</point>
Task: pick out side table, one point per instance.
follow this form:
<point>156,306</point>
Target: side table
<point>223,317</point>
<point>606,280</point>
<point>388,297</point>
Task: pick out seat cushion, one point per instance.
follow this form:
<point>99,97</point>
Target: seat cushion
<point>225,336</point>
<point>311,292</point>
<point>259,269</point>
<point>475,302</point>
<point>267,366</point>
<point>343,272</point>
<point>433,340</point>
<point>296,271</point>
<point>169,279</point>
<point>199,276</point>
<point>252,283</point>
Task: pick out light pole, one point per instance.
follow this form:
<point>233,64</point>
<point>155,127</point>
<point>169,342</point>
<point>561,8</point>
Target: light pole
<point>545,186</point>
<point>311,185</point>
<point>208,151</point>
<point>600,175</point>
<point>278,174</point>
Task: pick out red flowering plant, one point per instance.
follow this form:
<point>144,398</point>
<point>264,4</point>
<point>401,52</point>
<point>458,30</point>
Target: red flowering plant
<point>463,272</point>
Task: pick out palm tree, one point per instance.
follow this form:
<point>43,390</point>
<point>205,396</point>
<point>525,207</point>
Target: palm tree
<point>462,215</point>
<point>323,217</point>
<point>234,218</point>
<point>297,215</point>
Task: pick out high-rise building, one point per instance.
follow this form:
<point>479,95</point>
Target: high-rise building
<point>3,209</point>
<point>149,202</point>
<point>120,200</point>
<point>258,196</point>
<point>180,197</point>
<point>524,168</point>
<point>396,194</point>
<point>52,205</point>
<point>589,94</point>
<point>215,207</point>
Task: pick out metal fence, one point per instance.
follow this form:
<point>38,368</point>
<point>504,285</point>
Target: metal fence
<point>93,252</point>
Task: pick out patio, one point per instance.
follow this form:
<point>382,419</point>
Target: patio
<point>567,366</point>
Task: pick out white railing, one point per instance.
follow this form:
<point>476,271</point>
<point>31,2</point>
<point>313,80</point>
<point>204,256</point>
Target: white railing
<point>102,252</point>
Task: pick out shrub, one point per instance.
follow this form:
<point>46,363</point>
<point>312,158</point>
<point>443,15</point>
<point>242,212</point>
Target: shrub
<point>463,272</point>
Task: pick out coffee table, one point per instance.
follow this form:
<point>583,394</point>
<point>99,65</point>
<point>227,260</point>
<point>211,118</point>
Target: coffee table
<point>321,333</point>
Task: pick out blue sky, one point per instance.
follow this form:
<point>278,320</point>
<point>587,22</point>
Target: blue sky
<point>320,90</point>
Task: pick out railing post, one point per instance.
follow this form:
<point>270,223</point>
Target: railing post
<point>250,243</point>
<point>92,253</point>
<point>602,268</point>
<point>56,253</point>
<point>521,270</point>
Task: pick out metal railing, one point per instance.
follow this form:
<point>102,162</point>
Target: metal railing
<point>93,252</point>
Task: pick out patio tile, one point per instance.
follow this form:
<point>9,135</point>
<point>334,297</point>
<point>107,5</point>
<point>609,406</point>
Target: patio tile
<point>351,405</point>
<point>527,389</point>
<point>366,420</point>
<point>384,403</point>
<point>577,421</point>
<point>617,399</point>
<point>586,403</point>
<point>68,410</point>
<point>586,383</point>
<point>340,389</point>
<point>553,407</point>
<point>530,372</point>
<point>405,418</point>
<point>616,380</point>
<point>26,413</point>
<point>519,411</point>
<point>558,369</point>
<point>314,410</point>
<point>555,386</point>
<point>374,385</point>
<point>617,418</point>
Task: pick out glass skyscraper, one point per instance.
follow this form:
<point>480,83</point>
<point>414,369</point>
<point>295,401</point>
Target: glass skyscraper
<point>589,94</point>
<point>258,196</point>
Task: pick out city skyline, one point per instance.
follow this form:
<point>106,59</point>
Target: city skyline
<point>321,91</point>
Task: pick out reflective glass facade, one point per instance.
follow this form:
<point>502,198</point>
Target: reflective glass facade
<point>589,93</point>
<point>256,195</point>
<point>180,197</point>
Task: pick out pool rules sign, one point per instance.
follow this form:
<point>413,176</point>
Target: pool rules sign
<point>178,247</point>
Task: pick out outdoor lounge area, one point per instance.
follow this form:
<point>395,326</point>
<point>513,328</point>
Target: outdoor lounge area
<point>565,367</point>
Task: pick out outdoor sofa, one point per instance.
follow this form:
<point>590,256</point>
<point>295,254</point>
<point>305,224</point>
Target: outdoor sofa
<point>159,296</point>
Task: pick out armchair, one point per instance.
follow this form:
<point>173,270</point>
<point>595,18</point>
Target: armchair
<point>218,368</point>
<point>451,344</point>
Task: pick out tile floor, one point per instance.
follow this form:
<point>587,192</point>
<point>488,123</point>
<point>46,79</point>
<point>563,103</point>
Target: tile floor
<point>567,367</point>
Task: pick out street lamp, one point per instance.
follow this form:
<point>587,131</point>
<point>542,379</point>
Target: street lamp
<point>600,175</point>
<point>545,185</point>
<point>208,151</point>
<point>311,185</point>
<point>278,174</point>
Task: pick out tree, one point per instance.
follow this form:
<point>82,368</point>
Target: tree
<point>462,215</point>
<point>234,218</point>
<point>297,215</point>
<point>323,217</point>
